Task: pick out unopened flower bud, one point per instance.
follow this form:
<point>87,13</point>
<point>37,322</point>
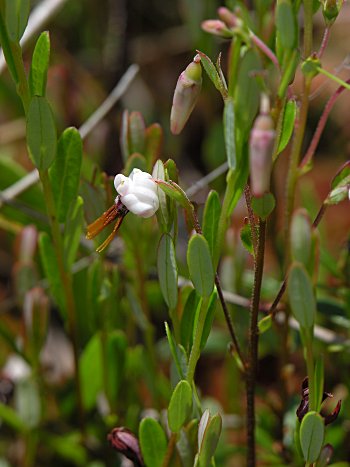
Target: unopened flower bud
<point>262,138</point>
<point>330,11</point>
<point>138,192</point>
<point>186,93</point>
<point>216,27</point>
<point>229,18</point>
<point>125,442</point>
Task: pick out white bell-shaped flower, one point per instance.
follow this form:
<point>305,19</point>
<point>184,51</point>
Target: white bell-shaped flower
<point>138,192</point>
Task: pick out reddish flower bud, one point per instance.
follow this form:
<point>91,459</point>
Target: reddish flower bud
<point>186,93</point>
<point>229,18</point>
<point>125,442</point>
<point>216,27</point>
<point>262,138</point>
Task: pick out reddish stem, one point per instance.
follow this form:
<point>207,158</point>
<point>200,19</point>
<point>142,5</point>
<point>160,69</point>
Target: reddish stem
<point>324,42</point>
<point>320,126</point>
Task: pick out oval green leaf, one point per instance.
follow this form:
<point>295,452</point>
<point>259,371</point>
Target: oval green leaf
<point>289,115</point>
<point>301,296</point>
<point>65,172</point>
<point>153,442</point>
<point>167,270</point>
<point>311,436</point>
<point>180,406</point>
<point>188,320</point>
<point>40,65</point>
<point>200,265</point>
<point>229,132</point>
<point>41,133</point>
<point>210,440</point>
<point>211,218</point>
<point>17,13</point>
<point>264,205</point>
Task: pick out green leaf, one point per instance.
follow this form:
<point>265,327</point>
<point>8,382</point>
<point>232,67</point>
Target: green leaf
<point>211,218</point>
<point>340,185</point>
<point>213,74</point>
<point>229,132</point>
<point>301,296</point>
<point>27,402</point>
<point>200,265</point>
<point>135,161</point>
<point>65,172</point>
<point>209,317</point>
<point>180,406</point>
<point>158,173</point>
<point>319,381</point>
<point>10,417</point>
<point>286,24</point>
<point>264,205</point>
<point>17,13</point>
<point>49,261</point>
<point>190,310</point>
<point>167,270</point>
<point>246,238</point>
<point>137,133</point>
<point>265,324</point>
<point>153,442</point>
<point>247,91</point>
<point>175,352</point>
<point>73,231</point>
<point>154,141</point>
<point>41,133</point>
<point>124,139</point>
<point>116,359</point>
<point>209,440</point>
<point>300,237</point>
<point>290,112</point>
<point>40,65</point>
<point>176,193</point>
<point>342,177</point>
<point>311,436</point>
<point>90,363</point>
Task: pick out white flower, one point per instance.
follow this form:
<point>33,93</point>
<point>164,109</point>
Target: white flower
<point>16,368</point>
<point>138,192</point>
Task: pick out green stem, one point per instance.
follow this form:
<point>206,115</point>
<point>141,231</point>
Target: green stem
<point>66,285</point>
<point>196,350</point>
<point>253,345</point>
<point>334,78</point>
<point>13,55</point>
<point>308,36</point>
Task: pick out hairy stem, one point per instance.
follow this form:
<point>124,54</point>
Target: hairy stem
<point>253,345</point>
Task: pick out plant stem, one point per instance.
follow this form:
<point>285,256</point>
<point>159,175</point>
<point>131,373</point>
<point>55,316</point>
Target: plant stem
<point>320,126</point>
<point>333,77</point>
<point>253,345</point>
<point>324,42</point>
<point>308,14</point>
<point>248,200</point>
<point>66,286</point>
<point>170,451</point>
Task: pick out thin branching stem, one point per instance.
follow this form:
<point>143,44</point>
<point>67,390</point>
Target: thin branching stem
<point>253,344</point>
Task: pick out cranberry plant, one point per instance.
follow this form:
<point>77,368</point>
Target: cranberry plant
<point>133,270</point>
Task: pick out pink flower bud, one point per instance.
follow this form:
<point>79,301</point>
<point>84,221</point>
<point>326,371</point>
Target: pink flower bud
<point>216,27</point>
<point>262,138</point>
<point>125,442</point>
<point>186,93</point>
<point>229,18</point>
